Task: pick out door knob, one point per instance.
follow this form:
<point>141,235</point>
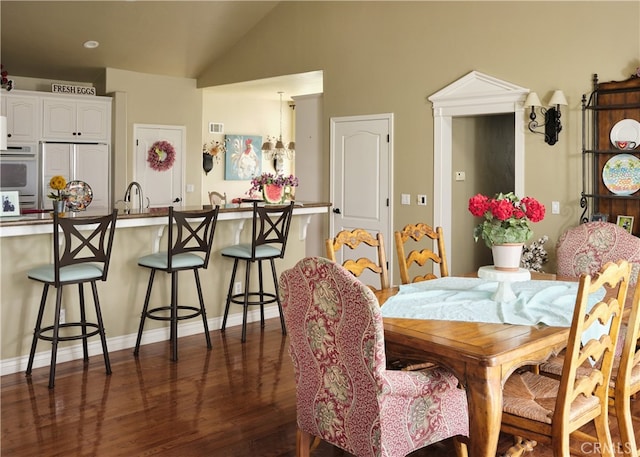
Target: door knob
<point>177,200</point>
<point>337,210</point>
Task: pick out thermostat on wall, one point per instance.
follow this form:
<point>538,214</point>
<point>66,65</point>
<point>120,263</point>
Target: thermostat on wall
<point>215,127</point>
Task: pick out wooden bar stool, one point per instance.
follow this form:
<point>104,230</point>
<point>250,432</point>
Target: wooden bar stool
<point>190,237</point>
<point>84,258</point>
<point>269,233</point>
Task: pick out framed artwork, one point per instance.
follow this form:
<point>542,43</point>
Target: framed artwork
<point>243,159</point>
<point>626,222</point>
<point>599,217</point>
<point>10,203</point>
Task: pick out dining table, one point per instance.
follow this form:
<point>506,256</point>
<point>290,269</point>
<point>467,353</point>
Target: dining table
<point>482,355</point>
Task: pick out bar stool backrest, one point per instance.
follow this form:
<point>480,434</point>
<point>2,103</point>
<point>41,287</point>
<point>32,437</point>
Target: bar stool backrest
<point>79,247</point>
<point>271,226</point>
<point>191,232</point>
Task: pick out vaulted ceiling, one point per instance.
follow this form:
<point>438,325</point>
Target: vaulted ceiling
<point>44,39</point>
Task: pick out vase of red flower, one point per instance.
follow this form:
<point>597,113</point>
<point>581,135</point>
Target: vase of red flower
<point>506,225</point>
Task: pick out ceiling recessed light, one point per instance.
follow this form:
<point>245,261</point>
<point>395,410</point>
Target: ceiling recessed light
<point>91,44</point>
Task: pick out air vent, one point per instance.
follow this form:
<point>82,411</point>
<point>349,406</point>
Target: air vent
<point>215,127</point>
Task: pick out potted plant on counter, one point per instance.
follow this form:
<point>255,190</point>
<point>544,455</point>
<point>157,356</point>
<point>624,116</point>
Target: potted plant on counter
<point>274,188</point>
<point>59,196</point>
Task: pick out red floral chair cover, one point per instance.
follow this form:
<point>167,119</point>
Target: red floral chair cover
<point>587,247</point>
<point>344,393</point>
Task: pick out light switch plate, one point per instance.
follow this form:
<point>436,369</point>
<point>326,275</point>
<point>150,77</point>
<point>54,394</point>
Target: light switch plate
<point>406,199</point>
<point>422,200</point>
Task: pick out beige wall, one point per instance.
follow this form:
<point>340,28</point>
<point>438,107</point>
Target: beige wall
<point>156,100</point>
<point>380,57</point>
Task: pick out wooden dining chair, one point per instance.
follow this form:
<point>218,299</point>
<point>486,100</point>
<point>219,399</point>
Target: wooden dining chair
<point>421,257</point>
<point>353,239</point>
<point>217,198</point>
<point>625,377</point>
<point>537,407</point>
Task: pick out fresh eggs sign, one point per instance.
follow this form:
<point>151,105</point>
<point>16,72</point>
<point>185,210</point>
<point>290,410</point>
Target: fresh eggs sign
<point>75,90</point>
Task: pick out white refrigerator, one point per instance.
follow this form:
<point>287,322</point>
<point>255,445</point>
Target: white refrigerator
<point>87,162</point>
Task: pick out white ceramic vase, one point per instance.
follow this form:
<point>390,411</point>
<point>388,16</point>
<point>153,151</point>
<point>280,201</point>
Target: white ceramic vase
<point>506,257</point>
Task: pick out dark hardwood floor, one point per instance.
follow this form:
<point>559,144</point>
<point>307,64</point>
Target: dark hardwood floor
<point>235,400</point>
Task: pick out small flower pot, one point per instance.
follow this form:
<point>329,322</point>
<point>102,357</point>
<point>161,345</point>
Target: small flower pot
<point>273,194</point>
<point>506,257</point>
<point>59,206</point>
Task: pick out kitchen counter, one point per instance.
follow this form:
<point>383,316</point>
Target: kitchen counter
<point>31,224</point>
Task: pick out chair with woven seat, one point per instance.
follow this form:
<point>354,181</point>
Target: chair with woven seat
<point>84,258</point>
<point>586,247</point>
<point>625,377</point>
<point>355,239</point>
<point>417,232</point>
<point>189,241</point>
<point>344,394</point>
<point>548,410</point>
<point>269,234</point>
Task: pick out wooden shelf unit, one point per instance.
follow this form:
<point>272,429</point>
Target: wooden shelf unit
<point>608,104</point>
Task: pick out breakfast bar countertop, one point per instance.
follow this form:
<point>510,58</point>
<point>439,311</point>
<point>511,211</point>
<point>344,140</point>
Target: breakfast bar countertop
<point>30,224</point>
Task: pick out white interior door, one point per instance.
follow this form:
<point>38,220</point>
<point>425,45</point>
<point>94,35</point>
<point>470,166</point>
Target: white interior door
<point>162,188</point>
<point>361,175</point>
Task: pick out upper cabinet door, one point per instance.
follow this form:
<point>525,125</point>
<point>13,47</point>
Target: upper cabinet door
<point>22,119</point>
<point>92,121</point>
<point>77,121</point>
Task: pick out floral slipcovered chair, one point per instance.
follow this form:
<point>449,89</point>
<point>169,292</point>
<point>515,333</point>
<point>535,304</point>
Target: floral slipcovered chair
<point>587,247</point>
<point>345,395</point>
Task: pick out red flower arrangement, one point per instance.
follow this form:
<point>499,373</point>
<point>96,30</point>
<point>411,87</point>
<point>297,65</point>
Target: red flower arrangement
<point>506,217</point>
<point>161,155</point>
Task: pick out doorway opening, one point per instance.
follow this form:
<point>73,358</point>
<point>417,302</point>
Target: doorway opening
<point>473,95</point>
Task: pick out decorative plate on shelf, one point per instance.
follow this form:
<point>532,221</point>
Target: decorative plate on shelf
<point>621,174</point>
<point>79,195</point>
<point>625,134</point>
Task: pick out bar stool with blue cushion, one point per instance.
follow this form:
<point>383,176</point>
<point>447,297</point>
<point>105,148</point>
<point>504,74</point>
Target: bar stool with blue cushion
<point>190,237</point>
<point>270,230</point>
<point>84,258</point>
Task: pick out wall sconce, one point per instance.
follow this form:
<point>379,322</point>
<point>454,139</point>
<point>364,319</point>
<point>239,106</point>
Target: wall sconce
<point>552,125</point>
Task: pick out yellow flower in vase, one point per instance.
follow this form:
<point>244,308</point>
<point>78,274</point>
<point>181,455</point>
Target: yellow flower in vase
<point>59,184</point>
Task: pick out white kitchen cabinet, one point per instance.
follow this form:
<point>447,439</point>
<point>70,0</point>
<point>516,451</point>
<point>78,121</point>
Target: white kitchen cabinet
<point>76,120</point>
<point>81,162</point>
<point>23,118</point>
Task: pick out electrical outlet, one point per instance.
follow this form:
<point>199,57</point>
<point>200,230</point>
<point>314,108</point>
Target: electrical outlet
<point>460,176</point>
<point>62,316</point>
<point>237,288</point>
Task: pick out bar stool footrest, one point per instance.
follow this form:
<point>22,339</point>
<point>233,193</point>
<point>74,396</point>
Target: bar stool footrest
<point>151,313</point>
<point>268,298</point>
<point>78,336</point>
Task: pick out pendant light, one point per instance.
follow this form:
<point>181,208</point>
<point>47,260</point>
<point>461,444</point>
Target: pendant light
<point>278,151</point>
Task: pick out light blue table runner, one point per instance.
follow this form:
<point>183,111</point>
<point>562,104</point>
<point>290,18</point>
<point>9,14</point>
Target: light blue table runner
<point>469,299</point>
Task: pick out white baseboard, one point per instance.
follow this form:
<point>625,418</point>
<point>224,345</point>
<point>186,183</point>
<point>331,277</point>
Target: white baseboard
<point>66,354</point>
